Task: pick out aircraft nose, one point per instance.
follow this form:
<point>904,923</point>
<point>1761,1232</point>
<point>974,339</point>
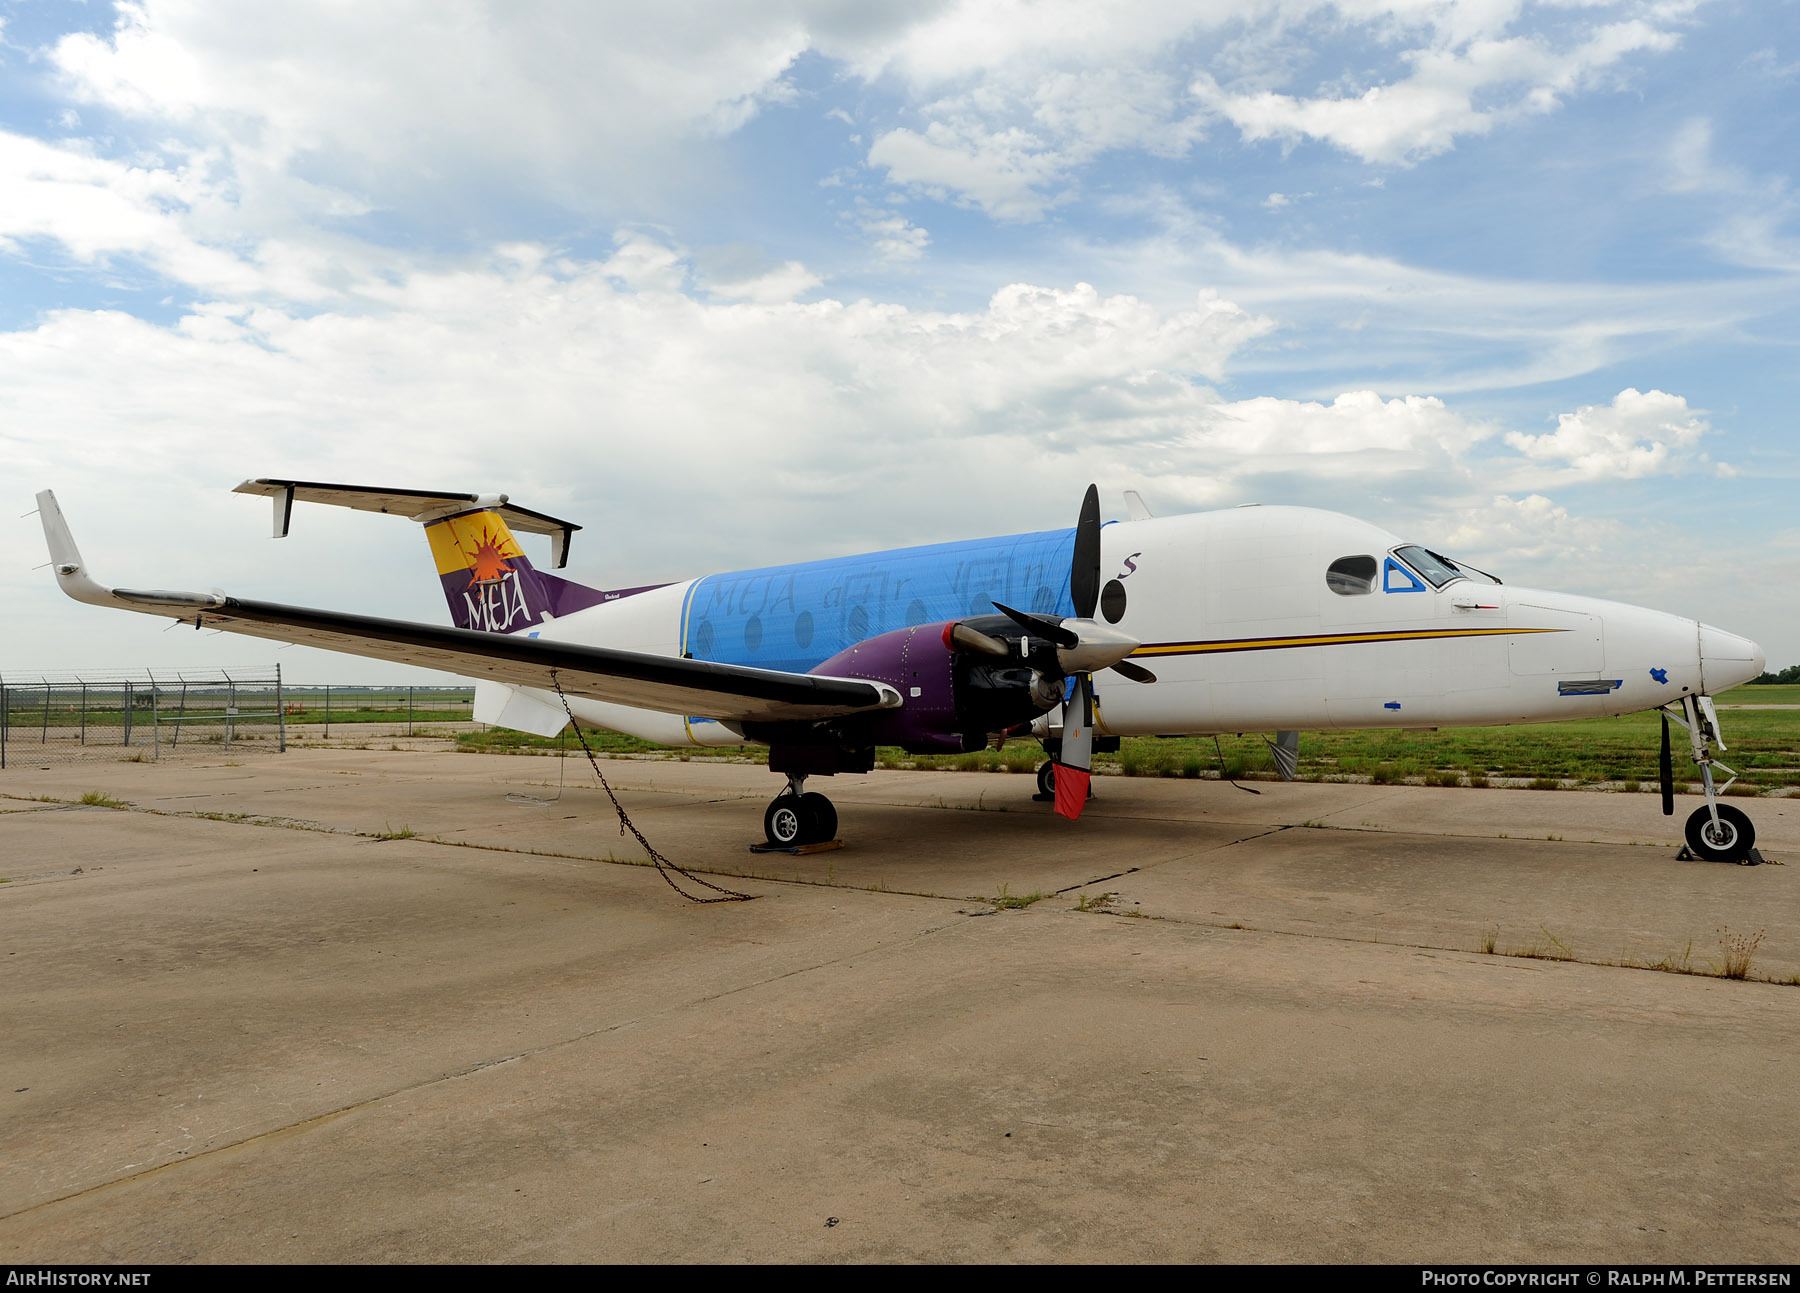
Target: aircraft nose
<point>1727,660</point>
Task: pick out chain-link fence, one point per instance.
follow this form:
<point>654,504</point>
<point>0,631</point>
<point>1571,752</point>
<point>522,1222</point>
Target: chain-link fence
<point>378,711</point>
<point>48,718</point>
<point>57,717</point>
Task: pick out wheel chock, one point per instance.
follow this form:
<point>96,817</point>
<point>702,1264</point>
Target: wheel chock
<point>796,850</point>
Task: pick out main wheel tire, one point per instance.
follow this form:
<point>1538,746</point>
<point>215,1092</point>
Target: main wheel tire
<point>785,821</point>
<point>1730,841</point>
<point>1047,778</point>
<point>820,818</point>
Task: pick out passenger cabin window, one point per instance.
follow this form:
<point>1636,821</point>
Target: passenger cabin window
<point>1440,570</point>
<point>1352,576</point>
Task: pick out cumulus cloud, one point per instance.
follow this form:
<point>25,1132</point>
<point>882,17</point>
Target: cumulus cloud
<point>1004,171</point>
<point>97,209</point>
<point>1459,84</point>
<point>611,383</point>
<point>632,393</point>
<point>1016,103</point>
<point>1641,433</point>
<point>416,104</point>
<point>418,100</point>
<point>894,237</point>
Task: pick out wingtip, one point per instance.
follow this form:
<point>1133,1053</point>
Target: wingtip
<point>65,558</point>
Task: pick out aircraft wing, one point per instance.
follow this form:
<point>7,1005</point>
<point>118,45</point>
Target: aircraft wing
<point>667,684</point>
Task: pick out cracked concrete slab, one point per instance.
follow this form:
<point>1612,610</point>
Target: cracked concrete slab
<point>224,1040</point>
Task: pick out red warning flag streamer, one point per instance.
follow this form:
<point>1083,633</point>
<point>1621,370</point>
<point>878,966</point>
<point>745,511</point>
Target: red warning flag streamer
<point>1071,790</point>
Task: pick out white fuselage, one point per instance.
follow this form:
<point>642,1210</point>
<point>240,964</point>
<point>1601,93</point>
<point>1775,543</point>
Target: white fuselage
<point>1244,633</point>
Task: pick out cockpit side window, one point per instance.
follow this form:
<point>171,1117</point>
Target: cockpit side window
<point>1352,576</point>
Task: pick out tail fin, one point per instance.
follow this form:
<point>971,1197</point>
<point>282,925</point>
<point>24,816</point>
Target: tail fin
<point>487,580</point>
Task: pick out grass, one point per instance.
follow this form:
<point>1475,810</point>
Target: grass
<point>1619,753</point>
<point>404,833</point>
<point>100,799</point>
<point>1006,900</point>
<point>1737,951</point>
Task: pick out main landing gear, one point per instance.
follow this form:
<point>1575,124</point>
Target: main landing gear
<point>798,816</point>
<point>1718,832</point>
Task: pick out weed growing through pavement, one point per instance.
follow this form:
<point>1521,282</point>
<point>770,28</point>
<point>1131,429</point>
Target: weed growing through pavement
<point>1007,900</point>
<point>1677,965</point>
<point>1738,951</point>
<point>100,799</point>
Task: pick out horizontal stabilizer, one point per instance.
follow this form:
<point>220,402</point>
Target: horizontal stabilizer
<point>422,505</point>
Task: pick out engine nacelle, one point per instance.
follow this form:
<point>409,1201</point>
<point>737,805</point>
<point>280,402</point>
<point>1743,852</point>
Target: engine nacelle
<point>952,699</point>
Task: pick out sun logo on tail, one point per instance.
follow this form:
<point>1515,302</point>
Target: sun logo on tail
<point>487,562</point>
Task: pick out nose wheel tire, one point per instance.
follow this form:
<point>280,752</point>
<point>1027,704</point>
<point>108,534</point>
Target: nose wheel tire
<point>1047,779</point>
<point>800,819</point>
<point>1730,840</point>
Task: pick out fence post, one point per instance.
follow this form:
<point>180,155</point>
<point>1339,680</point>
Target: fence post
<point>84,711</point>
<point>327,711</point>
<point>280,712</point>
<point>409,692</point>
<point>4,716</point>
<point>44,736</point>
<point>127,699</point>
<point>155,725</point>
<point>230,705</point>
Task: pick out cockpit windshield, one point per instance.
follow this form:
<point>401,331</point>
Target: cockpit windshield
<point>1440,570</point>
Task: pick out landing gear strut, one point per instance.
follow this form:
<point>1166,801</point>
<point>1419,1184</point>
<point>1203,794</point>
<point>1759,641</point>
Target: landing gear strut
<point>798,816</point>
<point>1718,832</point>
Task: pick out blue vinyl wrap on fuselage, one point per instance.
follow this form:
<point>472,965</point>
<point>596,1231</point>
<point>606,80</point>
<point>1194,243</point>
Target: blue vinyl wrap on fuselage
<point>796,617</point>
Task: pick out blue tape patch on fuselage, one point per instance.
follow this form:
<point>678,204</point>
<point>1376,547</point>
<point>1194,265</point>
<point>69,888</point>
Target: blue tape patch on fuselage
<point>1589,686</point>
<point>795,617</point>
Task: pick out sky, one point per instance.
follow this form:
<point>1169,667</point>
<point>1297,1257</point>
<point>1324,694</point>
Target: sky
<point>743,282</point>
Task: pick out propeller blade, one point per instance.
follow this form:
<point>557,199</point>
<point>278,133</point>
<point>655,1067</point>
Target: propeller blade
<point>1666,773</point>
<point>1135,672</point>
<point>1084,570</point>
<point>960,637</point>
<point>1286,749</point>
<point>1072,769</point>
<point>1050,630</point>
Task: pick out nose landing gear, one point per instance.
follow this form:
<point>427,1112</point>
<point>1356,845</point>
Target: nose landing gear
<point>797,816</point>
<point>1718,832</point>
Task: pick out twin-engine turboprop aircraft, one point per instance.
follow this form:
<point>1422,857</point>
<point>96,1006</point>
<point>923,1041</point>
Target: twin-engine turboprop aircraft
<point>1252,619</point>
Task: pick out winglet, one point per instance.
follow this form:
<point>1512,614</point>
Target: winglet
<point>65,557</point>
